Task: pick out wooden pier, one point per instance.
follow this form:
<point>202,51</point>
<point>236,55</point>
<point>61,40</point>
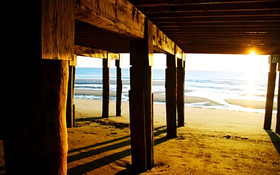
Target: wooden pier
<point>59,30</point>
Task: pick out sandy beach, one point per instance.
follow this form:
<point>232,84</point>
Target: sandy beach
<point>250,103</point>
<point>212,142</point>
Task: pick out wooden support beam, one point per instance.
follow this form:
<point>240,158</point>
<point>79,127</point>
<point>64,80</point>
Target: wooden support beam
<point>106,88</point>
<point>141,60</point>
<point>90,52</point>
<point>161,42</point>
<point>113,56</point>
<point>181,92</point>
<point>116,16</point>
<point>57,36</point>
<point>35,133</point>
<point>40,119</point>
<point>119,88</point>
<point>74,75</point>
<point>138,129</point>
<point>95,53</point>
<point>70,109</point>
<point>70,100</point>
<point>171,94</point>
<point>270,96</point>
<point>278,105</point>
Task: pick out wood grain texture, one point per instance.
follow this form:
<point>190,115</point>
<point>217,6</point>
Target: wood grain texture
<point>57,29</point>
<point>90,52</point>
<point>116,16</point>
<point>161,42</point>
<point>270,96</point>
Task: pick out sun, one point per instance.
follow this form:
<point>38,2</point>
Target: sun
<point>253,53</point>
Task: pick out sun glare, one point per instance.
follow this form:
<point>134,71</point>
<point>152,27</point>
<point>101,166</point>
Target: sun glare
<point>251,88</point>
<point>253,53</point>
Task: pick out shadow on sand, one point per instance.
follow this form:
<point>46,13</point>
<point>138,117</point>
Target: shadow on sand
<point>275,139</point>
<point>87,167</point>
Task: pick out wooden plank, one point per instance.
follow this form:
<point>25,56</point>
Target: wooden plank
<point>106,88</point>
<point>141,79</point>
<point>181,92</point>
<point>57,36</point>
<point>170,85</point>
<point>116,16</point>
<point>270,96</point>
<point>90,52</point>
<point>161,42</point>
<point>119,88</point>
<point>181,7</point>
<point>138,129</point>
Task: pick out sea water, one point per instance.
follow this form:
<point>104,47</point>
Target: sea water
<point>216,86</point>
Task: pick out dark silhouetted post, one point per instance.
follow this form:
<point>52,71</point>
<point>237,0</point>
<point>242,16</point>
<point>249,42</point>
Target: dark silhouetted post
<point>270,96</point>
<point>70,95</point>
<point>170,85</point>
<point>35,137</point>
<point>181,92</point>
<point>106,88</point>
<point>141,89</point>
<point>119,87</point>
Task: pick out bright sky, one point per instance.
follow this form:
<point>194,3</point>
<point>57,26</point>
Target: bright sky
<point>209,62</point>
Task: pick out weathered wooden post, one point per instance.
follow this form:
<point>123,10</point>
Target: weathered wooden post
<point>270,92</point>
<point>278,104</point>
<point>106,87</point>
<point>171,94</point>
<point>277,57</point>
<point>35,133</point>
<point>141,113</point>
<point>70,96</point>
<point>119,87</point>
<point>181,91</point>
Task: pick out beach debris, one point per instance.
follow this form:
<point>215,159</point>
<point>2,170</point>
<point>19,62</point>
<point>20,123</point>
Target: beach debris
<point>112,123</point>
<point>228,136</point>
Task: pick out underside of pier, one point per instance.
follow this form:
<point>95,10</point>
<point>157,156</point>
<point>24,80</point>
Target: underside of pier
<point>66,28</point>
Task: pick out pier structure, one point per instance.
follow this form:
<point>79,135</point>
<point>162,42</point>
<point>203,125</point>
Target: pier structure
<point>139,27</point>
<point>274,61</point>
<point>107,57</point>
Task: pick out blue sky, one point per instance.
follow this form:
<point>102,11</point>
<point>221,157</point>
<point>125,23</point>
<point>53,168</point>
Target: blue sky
<point>208,62</point>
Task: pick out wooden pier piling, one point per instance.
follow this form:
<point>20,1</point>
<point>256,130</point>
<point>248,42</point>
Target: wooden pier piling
<point>141,59</point>
<point>181,92</point>
<point>106,88</point>
<point>278,105</point>
<point>171,95</point>
<point>119,88</point>
<point>270,95</point>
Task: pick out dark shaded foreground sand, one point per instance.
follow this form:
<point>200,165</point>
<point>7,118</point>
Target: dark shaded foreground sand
<point>212,142</point>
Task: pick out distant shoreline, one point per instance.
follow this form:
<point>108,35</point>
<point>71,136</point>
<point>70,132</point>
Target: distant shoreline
<point>255,104</point>
<point>160,97</point>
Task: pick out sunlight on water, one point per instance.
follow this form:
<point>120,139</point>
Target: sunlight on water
<point>251,89</point>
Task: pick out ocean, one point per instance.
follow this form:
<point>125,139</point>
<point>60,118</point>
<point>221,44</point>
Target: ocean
<point>216,86</point>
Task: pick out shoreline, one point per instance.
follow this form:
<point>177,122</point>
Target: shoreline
<point>158,97</point>
<point>254,104</point>
<point>195,100</point>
